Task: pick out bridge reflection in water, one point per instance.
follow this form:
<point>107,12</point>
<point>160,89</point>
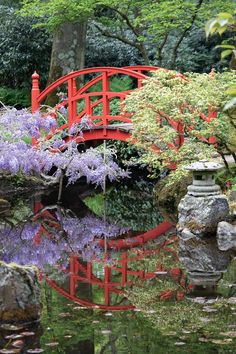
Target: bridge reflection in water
<point>101,281</point>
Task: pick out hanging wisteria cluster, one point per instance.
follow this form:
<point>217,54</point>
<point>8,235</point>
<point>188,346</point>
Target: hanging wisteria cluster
<point>17,128</point>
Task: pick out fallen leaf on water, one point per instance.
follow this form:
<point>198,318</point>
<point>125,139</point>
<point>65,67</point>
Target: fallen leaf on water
<point>79,308</point>
<point>106,331</point>
<point>198,299</point>
<point>180,343</point>
<point>65,314</point>
<point>221,341</point>
<point>10,351</point>
<point>209,309</point>
<point>232,300</point>
<point>27,334</point>
<point>9,327</point>
<point>232,326</point>
<point>183,337</point>
<point>18,343</point>
<point>204,319</point>
<point>204,340</point>
<point>52,344</point>
<point>150,311</point>
<point>228,334</point>
<point>14,336</point>
<point>170,333</point>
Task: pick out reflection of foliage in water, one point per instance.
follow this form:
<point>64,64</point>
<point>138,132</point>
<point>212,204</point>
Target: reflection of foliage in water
<point>131,206</point>
<point>51,237</point>
<point>211,320</point>
<point>130,332</point>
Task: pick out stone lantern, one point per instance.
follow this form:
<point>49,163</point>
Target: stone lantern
<point>204,178</point>
<point>200,212</point>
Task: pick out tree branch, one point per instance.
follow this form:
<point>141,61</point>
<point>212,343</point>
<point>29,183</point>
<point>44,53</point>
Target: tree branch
<point>116,36</point>
<point>159,49</point>
<point>126,19</point>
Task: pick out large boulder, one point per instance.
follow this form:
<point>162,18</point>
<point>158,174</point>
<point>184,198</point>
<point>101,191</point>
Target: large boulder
<point>19,293</point>
<point>201,255</point>
<point>226,236</point>
<point>202,214</point>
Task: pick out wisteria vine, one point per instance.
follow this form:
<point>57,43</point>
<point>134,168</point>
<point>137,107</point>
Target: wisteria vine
<point>18,127</point>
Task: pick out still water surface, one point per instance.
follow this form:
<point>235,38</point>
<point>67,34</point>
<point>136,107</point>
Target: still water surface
<point>111,278</point>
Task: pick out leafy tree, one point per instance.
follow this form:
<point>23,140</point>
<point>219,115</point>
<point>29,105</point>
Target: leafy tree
<point>144,25</point>
<point>68,23</point>
<point>139,24</point>
<point>186,100</point>
<point>104,51</point>
<point>195,54</point>
<point>220,24</point>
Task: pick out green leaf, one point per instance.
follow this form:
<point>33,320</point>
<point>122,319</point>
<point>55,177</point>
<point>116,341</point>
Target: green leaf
<point>230,104</point>
<point>226,53</point>
<point>231,90</point>
<point>210,27</point>
<point>225,15</point>
<point>226,46</point>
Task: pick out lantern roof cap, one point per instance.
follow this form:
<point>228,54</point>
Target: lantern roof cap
<point>204,165</point>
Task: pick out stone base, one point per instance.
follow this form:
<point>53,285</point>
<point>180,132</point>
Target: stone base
<point>204,279</point>
<point>201,255</point>
<point>202,214</point>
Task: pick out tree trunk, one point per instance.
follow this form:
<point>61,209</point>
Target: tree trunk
<point>68,53</point>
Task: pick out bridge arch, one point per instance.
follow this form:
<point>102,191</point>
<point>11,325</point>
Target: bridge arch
<point>97,104</point>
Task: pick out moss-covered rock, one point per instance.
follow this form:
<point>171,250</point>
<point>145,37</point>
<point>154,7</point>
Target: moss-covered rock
<point>19,293</point>
<point>10,184</point>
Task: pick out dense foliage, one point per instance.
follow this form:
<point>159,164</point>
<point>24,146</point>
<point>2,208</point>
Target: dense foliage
<point>146,27</point>
<point>167,97</point>
<point>23,48</point>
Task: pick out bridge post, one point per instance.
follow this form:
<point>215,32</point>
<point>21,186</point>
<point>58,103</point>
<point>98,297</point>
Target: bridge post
<point>71,103</point>
<point>124,268</point>
<point>107,276</point>
<point>72,274</point>
<point>35,92</point>
<point>105,99</point>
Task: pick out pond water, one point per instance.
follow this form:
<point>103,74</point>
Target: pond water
<point>111,278</point>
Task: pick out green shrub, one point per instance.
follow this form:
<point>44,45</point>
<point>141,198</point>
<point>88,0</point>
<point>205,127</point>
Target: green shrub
<point>15,97</point>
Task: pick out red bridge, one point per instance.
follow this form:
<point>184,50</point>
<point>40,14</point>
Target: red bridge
<point>96,105</point>
<point>94,101</point>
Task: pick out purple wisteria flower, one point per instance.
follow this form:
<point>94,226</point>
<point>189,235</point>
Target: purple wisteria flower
<point>17,128</point>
